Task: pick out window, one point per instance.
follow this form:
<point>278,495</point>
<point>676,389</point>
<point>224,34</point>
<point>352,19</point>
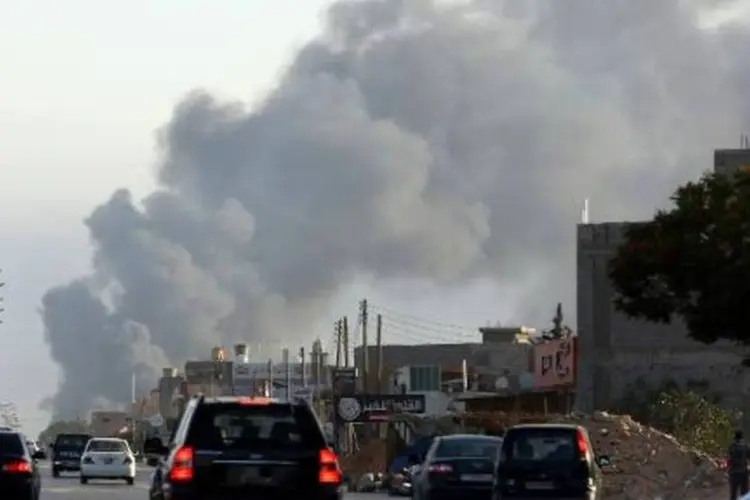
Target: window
<point>425,378</point>
<point>471,447</point>
<point>543,445</point>
<point>11,444</point>
<point>107,445</point>
<point>231,425</point>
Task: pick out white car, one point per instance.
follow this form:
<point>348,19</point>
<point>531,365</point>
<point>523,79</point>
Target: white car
<point>107,458</point>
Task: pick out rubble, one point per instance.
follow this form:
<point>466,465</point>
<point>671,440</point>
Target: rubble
<point>645,464</point>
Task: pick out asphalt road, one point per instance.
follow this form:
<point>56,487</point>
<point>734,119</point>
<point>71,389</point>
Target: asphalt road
<point>67,487</point>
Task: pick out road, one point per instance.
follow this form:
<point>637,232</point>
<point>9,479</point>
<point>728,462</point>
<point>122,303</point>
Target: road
<point>68,488</point>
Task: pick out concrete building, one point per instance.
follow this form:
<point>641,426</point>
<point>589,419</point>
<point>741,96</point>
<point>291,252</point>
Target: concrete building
<point>620,356</point>
<point>110,423</point>
<point>503,351</point>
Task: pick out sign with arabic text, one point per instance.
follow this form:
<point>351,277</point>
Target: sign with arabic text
<point>554,363</point>
<point>377,407</point>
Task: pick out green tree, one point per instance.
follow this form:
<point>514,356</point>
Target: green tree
<point>692,261</point>
<point>693,420</point>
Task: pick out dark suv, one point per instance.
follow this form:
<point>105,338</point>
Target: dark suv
<point>67,451</point>
<point>548,461</point>
<point>236,447</point>
<point>19,475</point>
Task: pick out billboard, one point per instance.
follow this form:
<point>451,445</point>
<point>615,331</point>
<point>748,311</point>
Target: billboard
<point>377,407</point>
<point>555,363</point>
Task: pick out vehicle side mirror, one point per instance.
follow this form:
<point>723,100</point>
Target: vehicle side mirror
<point>38,455</point>
<point>603,461</point>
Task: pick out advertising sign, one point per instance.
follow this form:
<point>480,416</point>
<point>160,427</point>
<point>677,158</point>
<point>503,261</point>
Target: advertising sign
<point>377,407</point>
<point>555,363</point>
<point>345,381</point>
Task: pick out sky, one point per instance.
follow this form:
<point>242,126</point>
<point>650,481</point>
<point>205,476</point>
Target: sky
<point>86,88</point>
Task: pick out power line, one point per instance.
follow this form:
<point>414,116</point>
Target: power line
<point>410,318</point>
<point>423,335</point>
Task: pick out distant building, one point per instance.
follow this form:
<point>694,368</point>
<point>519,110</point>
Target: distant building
<point>620,356</point>
<point>110,423</point>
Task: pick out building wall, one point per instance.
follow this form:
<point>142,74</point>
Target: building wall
<point>109,423</point>
<point>617,354</point>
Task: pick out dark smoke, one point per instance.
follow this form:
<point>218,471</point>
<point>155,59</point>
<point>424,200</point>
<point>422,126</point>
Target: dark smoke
<point>441,141</point>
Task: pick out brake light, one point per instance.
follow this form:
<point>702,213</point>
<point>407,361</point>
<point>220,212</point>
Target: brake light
<point>182,465</point>
<point>18,467</point>
<point>256,401</point>
<point>88,460</point>
<point>583,447</point>
<point>330,473</point>
<point>127,461</point>
<point>440,469</point>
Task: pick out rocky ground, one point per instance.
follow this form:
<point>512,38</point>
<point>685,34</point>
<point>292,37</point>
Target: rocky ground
<point>646,463</point>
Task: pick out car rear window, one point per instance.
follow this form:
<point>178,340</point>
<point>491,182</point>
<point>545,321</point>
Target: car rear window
<point>10,444</point>
<point>72,441</point>
<point>469,447</point>
<point>233,425</point>
<point>541,445</point>
<point>97,445</point>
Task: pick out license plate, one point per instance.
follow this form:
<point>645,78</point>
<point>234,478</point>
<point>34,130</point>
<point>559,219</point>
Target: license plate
<point>540,485</point>
<point>245,475</point>
<point>476,478</point>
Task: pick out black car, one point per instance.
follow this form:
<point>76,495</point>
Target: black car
<point>67,451</point>
<point>19,476</point>
<point>234,447</point>
<point>548,461</point>
<point>458,467</point>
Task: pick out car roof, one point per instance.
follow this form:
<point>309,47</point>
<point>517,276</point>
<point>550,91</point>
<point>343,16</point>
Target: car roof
<point>250,400</point>
<point>546,426</point>
<point>456,437</point>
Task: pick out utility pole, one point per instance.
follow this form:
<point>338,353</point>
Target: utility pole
<point>346,341</point>
<point>365,357</point>
<point>302,366</point>
<point>269,366</point>
<point>337,330</point>
<point>379,352</point>
<point>287,373</point>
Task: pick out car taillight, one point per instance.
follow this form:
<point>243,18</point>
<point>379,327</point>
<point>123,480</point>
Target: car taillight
<point>583,447</point>
<point>17,467</point>
<point>182,465</point>
<point>127,461</point>
<point>440,469</point>
<point>88,460</point>
<point>330,473</point>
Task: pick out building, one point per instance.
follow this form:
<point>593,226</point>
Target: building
<point>620,357</point>
<point>439,367</point>
<point>110,423</point>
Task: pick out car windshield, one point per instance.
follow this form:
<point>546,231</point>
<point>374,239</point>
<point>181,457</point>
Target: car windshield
<point>97,445</point>
<point>542,445</point>
<point>468,447</point>
<point>233,425</point>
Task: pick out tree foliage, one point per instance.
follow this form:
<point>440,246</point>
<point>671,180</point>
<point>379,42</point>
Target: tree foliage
<point>692,261</point>
<point>694,421</point>
<point>559,329</point>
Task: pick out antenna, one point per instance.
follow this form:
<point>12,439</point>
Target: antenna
<point>585,212</point>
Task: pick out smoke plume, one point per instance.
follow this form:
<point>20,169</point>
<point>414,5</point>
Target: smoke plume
<point>442,141</point>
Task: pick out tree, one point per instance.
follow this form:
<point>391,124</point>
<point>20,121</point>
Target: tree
<point>559,330</point>
<point>9,415</point>
<point>692,261</point>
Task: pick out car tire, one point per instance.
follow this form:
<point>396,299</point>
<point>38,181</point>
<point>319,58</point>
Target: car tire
<point>84,480</point>
<point>130,481</point>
